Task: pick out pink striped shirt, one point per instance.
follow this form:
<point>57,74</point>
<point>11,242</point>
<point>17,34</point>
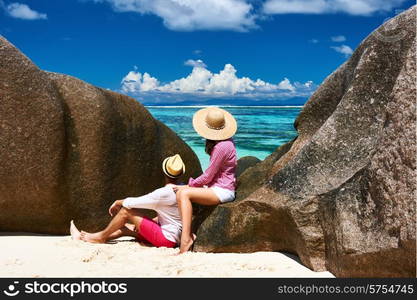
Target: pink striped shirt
<point>221,171</point>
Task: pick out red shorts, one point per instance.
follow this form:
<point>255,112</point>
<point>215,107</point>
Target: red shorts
<point>151,231</point>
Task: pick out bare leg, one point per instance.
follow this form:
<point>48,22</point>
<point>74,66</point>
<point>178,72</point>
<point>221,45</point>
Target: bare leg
<point>124,231</point>
<point>184,198</point>
<point>186,211</point>
<point>118,222</point>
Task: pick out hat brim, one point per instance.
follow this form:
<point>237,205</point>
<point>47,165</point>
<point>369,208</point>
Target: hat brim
<point>200,126</point>
<point>166,172</point>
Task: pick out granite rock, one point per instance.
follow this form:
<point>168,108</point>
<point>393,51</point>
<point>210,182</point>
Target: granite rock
<point>343,196</point>
<point>69,149</point>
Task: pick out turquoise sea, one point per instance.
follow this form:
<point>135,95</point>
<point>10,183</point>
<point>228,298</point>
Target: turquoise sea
<point>260,129</point>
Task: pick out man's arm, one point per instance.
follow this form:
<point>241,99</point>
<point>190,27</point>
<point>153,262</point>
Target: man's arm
<point>115,207</point>
<point>148,201</point>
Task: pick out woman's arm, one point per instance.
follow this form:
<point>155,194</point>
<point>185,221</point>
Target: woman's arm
<point>216,162</point>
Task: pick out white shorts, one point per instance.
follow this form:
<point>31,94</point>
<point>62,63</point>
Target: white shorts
<point>224,195</point>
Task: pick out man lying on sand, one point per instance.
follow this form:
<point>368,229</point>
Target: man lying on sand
<point>163,232</point>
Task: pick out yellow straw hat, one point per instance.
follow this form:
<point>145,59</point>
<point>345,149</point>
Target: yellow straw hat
<point>214,123</point>
<point>173,166</point>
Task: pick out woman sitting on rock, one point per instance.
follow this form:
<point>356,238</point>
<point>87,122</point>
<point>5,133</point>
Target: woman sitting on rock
<point>163,232</point>
<point>217,184</point>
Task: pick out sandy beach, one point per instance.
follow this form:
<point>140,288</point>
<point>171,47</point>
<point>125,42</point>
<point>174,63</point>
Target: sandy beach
<point>28,255</point>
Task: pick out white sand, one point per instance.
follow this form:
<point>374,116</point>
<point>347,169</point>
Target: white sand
<point>58,256</point>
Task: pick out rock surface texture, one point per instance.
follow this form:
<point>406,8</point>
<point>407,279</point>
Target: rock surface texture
<point>69,149</point>
<point>343,194</point>
<point>245,163</point>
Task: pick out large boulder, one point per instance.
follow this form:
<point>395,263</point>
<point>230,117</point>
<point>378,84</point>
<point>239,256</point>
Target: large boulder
<point>249,181</point>
<point>343,196</point>
<point>68,149</point>
<point>245,163</point>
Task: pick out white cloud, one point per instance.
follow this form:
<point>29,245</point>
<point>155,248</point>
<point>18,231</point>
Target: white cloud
<point>187,15</point>
<point>344,49</point>
<point>291,6</point>
<point>22,11</point>
<point>241,15</point>
<point>135,81</point>
<point>286,85</point>
<point>339,38</point>
<point>195,63</point>
<point>352,7</point>
<point>226,83</point>
<point>314,41</point>
<point>308,84</point>
<point>195,82</point>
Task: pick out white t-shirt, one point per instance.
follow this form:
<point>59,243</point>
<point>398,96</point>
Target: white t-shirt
<point>164,202</point>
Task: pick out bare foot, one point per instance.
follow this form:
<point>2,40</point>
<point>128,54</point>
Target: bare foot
<point>75,233</point>
<point>92,237</point>
<point>187,244</point>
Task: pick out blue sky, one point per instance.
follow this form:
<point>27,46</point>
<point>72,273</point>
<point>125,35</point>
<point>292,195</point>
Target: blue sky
<point>172,50</point>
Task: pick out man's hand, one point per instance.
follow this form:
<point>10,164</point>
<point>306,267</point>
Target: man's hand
<point>176,188</point>
<point>115,207</point>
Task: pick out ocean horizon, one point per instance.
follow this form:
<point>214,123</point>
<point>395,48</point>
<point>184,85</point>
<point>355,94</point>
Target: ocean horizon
<point>223,106</point>
<point>261,129</point>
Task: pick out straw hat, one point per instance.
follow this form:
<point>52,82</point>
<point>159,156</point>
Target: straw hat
<point>173,166</point>
<point>214,123</point>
